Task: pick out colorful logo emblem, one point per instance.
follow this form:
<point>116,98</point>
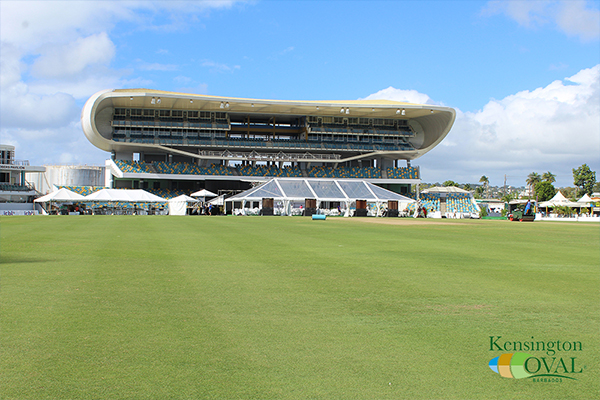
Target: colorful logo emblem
<point>511,365</point>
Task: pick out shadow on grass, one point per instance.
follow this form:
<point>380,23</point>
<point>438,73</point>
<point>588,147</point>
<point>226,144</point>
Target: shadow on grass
<point>16,259</point>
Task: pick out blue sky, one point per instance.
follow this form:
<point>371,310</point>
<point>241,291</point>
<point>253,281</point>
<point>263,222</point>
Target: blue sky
<point>522,75</point>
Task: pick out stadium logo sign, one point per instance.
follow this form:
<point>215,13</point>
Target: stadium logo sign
<point>551,367</point>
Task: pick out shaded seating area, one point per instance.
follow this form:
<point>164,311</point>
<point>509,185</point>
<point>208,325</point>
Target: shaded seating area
<point>403,173</point>
<point>83,190</point>
<point>343,172</point>
<point>460,203</point>
<point>183,168</point>
<point>449,202</point>
<point>263,170</point>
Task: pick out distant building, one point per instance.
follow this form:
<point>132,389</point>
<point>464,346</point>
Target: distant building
<point>16,193</point>
<point>67,175</point>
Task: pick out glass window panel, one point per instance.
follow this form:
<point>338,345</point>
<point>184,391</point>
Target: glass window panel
<point>268,190</point>
<point>295,188</point>
<point>384,194</point>
<point>326,190</point>
<point>356,190</point>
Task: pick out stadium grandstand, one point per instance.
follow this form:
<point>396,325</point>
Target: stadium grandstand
<point>449,202</point>
<point>16,192</point>
<point>171,143</point>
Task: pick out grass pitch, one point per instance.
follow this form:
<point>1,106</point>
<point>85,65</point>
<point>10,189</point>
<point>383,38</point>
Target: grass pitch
<point>108,307</point>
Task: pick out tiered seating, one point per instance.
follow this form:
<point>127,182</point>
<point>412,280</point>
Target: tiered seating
<point>403,173</point>
<point>217,169</point>
<point>261,170</point>
<point>342,172</point>
<point>364,173</point>
<point>431,201</point>
<point>139,167</point>
<point>83,190</point>
<point>168,193</point>
<point>163,167</point>
<point>460,203</point>
<point>178,168</point>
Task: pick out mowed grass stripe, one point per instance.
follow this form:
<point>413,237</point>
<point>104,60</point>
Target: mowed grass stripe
<point>224,307</point>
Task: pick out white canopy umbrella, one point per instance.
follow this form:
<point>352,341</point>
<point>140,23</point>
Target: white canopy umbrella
<point>60,195</point>
<point>204,193</point>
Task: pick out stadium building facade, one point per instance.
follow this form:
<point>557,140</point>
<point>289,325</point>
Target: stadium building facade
<point>176,143</point>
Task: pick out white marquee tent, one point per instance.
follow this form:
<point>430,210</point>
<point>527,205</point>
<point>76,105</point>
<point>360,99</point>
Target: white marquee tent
<point>559,200</point>
<point>586,201</point>
<point>178,205</point>
<point>60,195</point>
<point>124,195</point>
<point>287,190</point>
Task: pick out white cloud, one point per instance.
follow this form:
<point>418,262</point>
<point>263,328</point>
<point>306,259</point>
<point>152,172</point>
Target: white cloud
<point>218,67</point>
<point>554,128</point>
<point>55,54</point>
<point>407,96</point>
<point>70,59</point>
<point>577,18</point>
<point>53,145</point>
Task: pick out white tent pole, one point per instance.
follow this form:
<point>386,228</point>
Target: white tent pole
<point>347,213</point>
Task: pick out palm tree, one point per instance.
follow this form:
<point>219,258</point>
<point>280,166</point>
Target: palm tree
<point>532,179</point>
<point>549,177</point>
<point>484,179</point>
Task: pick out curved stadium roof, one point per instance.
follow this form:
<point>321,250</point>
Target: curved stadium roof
<point>430,123</point>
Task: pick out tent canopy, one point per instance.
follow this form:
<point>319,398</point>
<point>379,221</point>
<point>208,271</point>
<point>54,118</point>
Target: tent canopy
<point>559,200</point>
<point>445,189</point>
<point>585,199</point>
<point>60,195</point>
<point>178,205</point>
<point>184,199</point>
<point>203,193</point>
<point>124,195</point>
<point>280,189</point>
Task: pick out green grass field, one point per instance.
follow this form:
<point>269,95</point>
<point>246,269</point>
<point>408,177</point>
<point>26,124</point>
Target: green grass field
<point>108,307</point>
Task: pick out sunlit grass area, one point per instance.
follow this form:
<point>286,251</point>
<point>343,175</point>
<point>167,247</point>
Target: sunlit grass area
<point>289,308</point>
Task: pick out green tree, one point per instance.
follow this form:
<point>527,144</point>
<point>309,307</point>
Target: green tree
<point>450,183</point>
<point>544,191</point>
<point>508,197</point>
<point>485,181</point>
<point>479,192</point>
<point>585,179</point>
<point>569,193</point>
<point>532,179</point>
<point>564,210</point>
<point>549,177</point>
<point>467,187</point>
